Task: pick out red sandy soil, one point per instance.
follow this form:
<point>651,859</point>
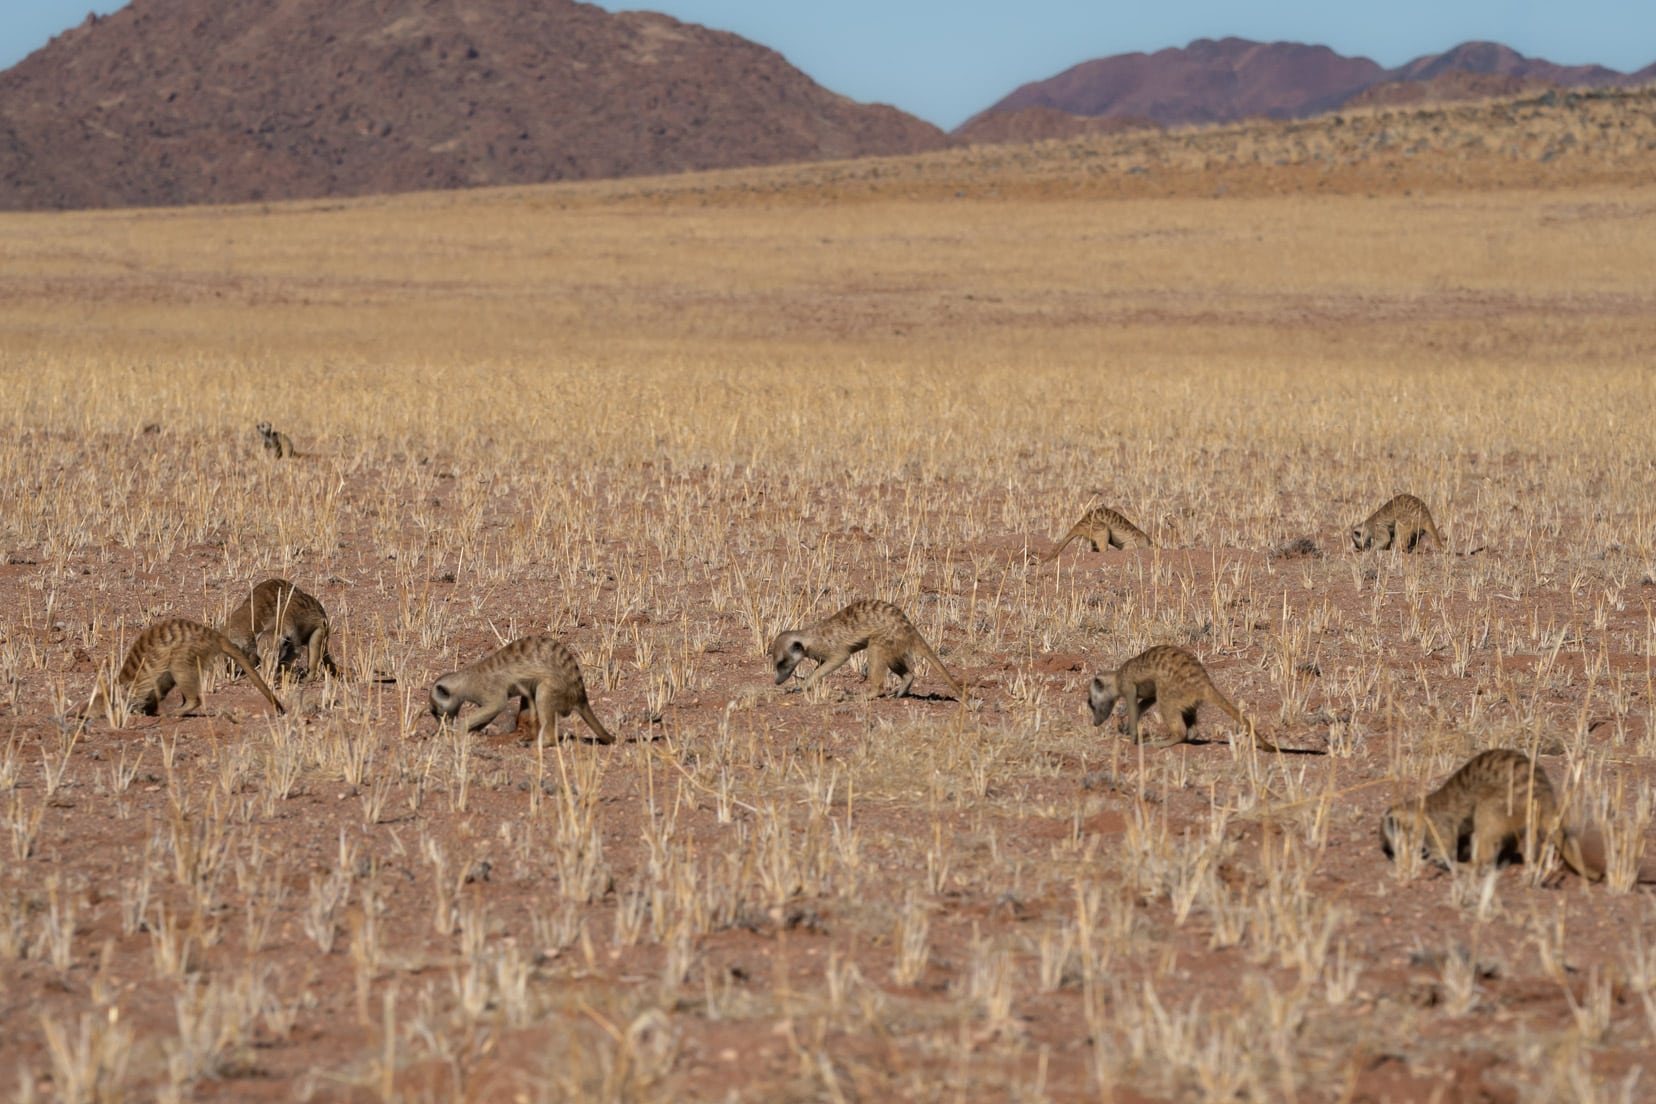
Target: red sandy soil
<point>774,955</point>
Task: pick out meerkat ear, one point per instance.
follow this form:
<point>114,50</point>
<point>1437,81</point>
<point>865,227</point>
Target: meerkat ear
<point>796,648</point>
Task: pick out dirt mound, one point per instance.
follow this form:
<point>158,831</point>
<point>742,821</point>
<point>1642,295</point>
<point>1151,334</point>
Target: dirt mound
<point>211,101</point>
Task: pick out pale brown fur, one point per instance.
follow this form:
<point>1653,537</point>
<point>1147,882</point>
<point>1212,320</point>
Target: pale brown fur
<point>893,644</point>
<point>1499,801</point>
<point>1171,678</point>
<point>295,619</point>
<point>1103,525</point>
<point>174,653</point>
<point>276,443</point>
<point>538,671</point>
<point>1401,521</point>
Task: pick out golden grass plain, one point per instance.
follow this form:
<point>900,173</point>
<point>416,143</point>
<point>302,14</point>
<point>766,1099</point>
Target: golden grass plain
<point>665,419</point>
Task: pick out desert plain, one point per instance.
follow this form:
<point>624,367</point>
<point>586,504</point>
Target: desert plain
<point>663,420</point>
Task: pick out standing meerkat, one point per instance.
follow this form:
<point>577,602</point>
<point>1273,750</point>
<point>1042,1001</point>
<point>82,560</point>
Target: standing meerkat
<point>538,671</point>
<point>1403,520</point>
<point>1499,802</point>
<point>173,653</point>
<point>1102,525</point>
<point>1172,678</point>
<point>296,620</point>
<point>276,443</point>
<point>893,644</point>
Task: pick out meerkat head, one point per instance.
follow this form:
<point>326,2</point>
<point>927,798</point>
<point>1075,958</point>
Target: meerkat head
<point>444,702</point>
<point>1403,829</point>
<point>785,652</point>
<point>289,649</point>
<point>1361,538</point>
<point>1101,696</point>
<point>1389,829</point>
<point>263,428</point>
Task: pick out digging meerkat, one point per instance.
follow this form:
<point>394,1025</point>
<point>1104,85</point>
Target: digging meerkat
<point>1401,521</point>
<point>1499,802</point>
<point>538,671</point>
<point>294,618</point>
<point>173,653</point>
<point>893,644</point>
<point>1102,525</point>
<point>1168,677</point>
<point>276,443</point>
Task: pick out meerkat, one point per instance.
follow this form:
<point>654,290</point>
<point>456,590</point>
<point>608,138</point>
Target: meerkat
<point>893,644</point>
<point>296,620</point>
<point>537,670</point>
<point>173,653</point>
<point>278,444</point>
<point>1103,525</point>
<point>1499,802</point>
<point>1172,678</point>
<point>1403,520</point>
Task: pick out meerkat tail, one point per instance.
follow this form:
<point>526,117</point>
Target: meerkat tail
<point>593,723</point>
<point>98,703</point>
<point>1235,714</point>
<point>926,650</point>
<point>1063,544</point>
<point>1225,705</point>
<point>1261,742</point>
<point>239,658</point>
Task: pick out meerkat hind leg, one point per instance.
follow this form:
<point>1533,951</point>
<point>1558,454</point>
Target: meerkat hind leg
<point>543,718</point>
<point>879,662</point>
<point>1492,827</point>
<point>150,704</point>
<point>524,711</point>
<point>1178,726</point>
<point>188,681</point>
<point>318,662</point>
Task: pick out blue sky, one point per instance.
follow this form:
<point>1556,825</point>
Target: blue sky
<point>946,59</point>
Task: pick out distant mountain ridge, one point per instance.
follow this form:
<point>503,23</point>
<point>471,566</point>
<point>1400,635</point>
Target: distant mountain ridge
<point>1216,81</point>
<point>215,101</point>
<point>222,101</point>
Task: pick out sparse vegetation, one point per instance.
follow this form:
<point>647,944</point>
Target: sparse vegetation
<point>662,431</point>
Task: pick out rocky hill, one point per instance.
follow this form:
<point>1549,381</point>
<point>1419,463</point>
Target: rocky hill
<point>1039,124</point>
<point>211,101</point>
<point>1451,87</point>
<point>1206,82</point>
<point>1229,79</point>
